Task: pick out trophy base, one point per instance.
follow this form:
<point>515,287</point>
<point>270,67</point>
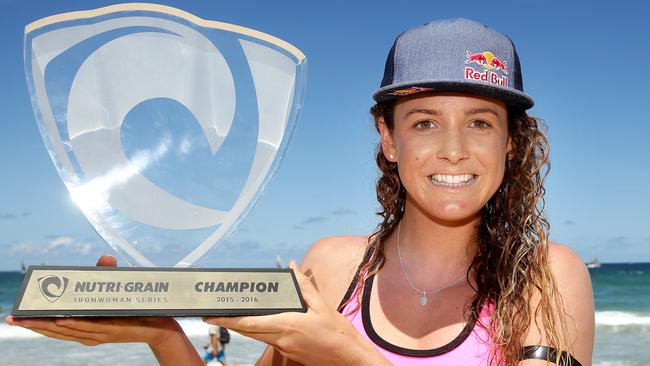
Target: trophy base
<point>62,291</point>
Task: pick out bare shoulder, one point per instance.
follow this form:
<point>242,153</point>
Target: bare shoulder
<point>574,285</point>
<point>566,265</point>
<point>332,262</point>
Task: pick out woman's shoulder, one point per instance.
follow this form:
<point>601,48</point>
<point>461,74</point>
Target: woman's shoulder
<point>332,262</point>
<point>573,281</point>
<point>574,286</point>
<point>567,266</point>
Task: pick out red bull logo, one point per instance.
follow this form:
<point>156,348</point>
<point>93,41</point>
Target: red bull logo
<point>490,64</point>
<point>487,60</point>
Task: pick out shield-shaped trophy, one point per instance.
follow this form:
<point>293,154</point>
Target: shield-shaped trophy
<point>165,128</point>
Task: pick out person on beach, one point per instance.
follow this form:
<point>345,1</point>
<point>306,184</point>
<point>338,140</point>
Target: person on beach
<point>216,349</point>
<point>460,271</point>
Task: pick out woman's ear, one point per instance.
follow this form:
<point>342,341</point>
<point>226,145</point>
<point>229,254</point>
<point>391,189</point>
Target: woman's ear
<point>509,154</point>
<point>387,142</point>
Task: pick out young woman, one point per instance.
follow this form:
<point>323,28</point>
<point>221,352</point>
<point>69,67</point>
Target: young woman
<point>460,271</point>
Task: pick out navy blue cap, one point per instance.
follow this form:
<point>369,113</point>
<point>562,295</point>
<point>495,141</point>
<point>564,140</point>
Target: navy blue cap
<point>457,55</point>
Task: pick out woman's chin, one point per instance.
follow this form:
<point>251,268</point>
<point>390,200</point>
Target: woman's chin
<point>452,212</point>
<point>455,213</point>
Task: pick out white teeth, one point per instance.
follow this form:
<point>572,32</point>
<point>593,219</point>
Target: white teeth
<point>452,180</point>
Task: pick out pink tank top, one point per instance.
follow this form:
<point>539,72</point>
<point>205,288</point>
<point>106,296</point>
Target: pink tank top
<point>470,348</point>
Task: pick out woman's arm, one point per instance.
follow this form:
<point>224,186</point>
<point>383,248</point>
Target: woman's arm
<point>574,284</point>
<point>176,349</point>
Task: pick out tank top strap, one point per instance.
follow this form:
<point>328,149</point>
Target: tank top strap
<point>355,280</point>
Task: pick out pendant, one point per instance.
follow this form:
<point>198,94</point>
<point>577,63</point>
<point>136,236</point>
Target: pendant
<point>423,299</point>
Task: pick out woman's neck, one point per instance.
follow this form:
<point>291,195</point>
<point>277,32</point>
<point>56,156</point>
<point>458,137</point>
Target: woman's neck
<point>435,246</point>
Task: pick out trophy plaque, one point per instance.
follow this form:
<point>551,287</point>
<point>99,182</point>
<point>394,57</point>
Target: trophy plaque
<point>166,129</point>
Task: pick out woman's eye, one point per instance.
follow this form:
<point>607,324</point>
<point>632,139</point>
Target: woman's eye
<point>424,124</point>
<point>480,123</point>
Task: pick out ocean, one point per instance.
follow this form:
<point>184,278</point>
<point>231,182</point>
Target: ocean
<point>621,291</point>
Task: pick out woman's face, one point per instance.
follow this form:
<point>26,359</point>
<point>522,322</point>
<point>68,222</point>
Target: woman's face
<point>451,151</point>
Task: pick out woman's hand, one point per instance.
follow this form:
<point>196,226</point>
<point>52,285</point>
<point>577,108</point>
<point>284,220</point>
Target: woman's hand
<point>93,331</point>
<point>321,336</point>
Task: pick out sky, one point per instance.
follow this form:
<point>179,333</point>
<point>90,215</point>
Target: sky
<point>584,63</point>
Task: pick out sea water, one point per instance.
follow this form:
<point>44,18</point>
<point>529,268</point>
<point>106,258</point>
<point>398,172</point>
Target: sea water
<point>621,291</point>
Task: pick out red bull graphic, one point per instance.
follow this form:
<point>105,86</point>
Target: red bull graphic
<point>490,64</point>
<point>409,91</point>
<point>498,64</point>
<point>478,58</point>
<point>487,60</point>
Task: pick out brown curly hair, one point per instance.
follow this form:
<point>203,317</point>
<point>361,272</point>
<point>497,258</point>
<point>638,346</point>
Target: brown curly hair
<point>511,262</point>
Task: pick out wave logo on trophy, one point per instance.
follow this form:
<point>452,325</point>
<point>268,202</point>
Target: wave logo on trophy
<point>164,127</point>
<point>52,286</point>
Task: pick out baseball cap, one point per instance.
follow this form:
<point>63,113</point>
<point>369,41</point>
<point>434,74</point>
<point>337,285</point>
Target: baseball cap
<point>457,55</point>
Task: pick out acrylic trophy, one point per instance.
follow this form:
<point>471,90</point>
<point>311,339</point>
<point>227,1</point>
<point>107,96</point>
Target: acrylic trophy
<point>165,128</point>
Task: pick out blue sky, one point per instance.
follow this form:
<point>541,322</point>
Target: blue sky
<point>585,63</point>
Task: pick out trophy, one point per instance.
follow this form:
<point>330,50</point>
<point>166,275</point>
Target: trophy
<point>166,129</point>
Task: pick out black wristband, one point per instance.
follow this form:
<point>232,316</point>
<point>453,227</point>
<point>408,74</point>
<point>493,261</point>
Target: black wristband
<point>539,352</point>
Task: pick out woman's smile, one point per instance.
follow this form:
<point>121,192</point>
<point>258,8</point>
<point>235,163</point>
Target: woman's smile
<point>454,181</point>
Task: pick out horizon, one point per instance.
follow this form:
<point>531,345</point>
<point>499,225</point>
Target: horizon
<point>631,263</point>
<point>273,266</point>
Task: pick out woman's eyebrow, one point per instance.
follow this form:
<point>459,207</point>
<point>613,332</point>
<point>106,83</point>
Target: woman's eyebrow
<point>481,110</point>
<point>433,112</point>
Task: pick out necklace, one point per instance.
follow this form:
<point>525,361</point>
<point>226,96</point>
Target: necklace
<point>424,293</point>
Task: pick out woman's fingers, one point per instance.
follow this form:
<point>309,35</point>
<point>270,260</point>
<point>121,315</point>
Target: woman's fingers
<point>268,338</point>
<point>30,322</point>
<point>54,326</point>
<point>98,326</point>
<point>49,328</point>
<point>66,337</point>
<point>107,260</point>
<point>271,324</point>
<point>103,330</point>
<point>309,292</point>
<point>72,334</point>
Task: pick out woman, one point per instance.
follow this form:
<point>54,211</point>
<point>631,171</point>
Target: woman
<point>460,271</point>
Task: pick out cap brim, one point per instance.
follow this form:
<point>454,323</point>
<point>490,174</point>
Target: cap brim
<point>512,97</point>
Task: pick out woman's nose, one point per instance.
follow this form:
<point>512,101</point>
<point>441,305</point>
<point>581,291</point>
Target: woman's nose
<point>453,147</point>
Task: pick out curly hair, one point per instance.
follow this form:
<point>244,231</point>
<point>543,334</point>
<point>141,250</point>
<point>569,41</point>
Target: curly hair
<point>511,262</point>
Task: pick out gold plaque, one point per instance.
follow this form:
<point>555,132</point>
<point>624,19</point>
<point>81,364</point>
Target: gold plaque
<point>50,291</point>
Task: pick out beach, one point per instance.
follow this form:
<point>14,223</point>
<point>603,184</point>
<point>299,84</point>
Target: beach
<point>622,294</point>
<point>23,347</point>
